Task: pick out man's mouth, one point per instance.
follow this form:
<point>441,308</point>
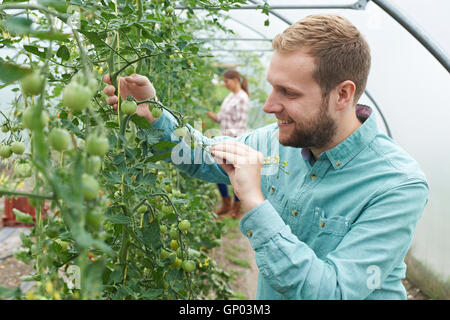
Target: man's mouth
<point>284,122</point>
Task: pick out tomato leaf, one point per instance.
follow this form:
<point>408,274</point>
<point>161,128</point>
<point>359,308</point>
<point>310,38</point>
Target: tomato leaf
<point>112,177</point>
<point>23,25</point>
<point>58,5</point>
<point>23,217</point>
<point>35,50</point>
<point>152,236</point>
<point>18,25</point>
<point>94,38</point>
<point>10,72</point>
<point>151,136</point>
<point>9,293</point>
<point>152,294</point>
<point>141,122</point>
<point>63,53</point>
<point>148,179</point>
<point>164,145</point>
<point>119,219</point>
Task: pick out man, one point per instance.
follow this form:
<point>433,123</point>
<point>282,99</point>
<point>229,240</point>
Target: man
<point>340,224</point>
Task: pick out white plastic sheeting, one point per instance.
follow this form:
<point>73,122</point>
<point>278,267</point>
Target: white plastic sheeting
<point>412,89</point>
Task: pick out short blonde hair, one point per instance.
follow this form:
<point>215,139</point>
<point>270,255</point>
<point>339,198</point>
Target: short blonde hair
<point>340,50</point>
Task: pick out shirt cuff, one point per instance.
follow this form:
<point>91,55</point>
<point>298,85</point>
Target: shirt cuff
<point>261,223</point>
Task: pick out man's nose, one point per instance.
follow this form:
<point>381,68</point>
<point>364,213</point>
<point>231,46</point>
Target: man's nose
<point>272,105</point>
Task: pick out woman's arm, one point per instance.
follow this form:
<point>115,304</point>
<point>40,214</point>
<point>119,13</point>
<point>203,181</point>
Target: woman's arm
<point>213,116</point>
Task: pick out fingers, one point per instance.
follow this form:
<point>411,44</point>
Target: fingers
<point>107,79</point>
<point>235,147</point>
<point>137,79</point>
<point>226,158</point>
<point>237,153</point>
<point>112,100</point>
<point>109,90</point>
<point>142,110</point>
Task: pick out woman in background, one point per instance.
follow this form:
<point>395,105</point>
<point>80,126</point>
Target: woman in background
<point>233,122</point>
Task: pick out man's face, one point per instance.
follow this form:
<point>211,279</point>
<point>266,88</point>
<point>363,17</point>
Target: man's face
<point>304,118</point>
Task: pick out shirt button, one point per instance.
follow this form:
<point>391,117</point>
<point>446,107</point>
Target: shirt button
<point>272,190</point>
<point>322,224</point>
<point>249,233</point>
<point>313,176</point>
<point>338,163</point>
<point>294,213</point>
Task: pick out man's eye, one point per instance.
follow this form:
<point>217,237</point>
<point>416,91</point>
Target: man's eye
<point>289,94</point>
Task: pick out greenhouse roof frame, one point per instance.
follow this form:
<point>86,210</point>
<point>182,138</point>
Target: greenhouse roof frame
<point>387,7</point>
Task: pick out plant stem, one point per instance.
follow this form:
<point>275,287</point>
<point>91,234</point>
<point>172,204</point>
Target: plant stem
<point>25,194</point>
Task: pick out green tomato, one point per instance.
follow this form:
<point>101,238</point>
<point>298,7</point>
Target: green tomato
<point>97,145</point>
<point>162,228</point>
<point>177,263</point>
<point>173,234</point>
<point>174,244</point>
<point>164,254</point>
<point>168,20</point>
<point>94,218</point>
<point>166,209</point>
<point>172,256</point>
<point>180,132</point>
<point>29,116</point>
<point>188,265</point>
<point>93,86</point>
<point>23,170</point>
<point>184,225</point>
<point>5,128</point>
<point>142,209</point>
<point>5,151</point>
<point>76,96</point>
<point>179,253</point>
<point>59,139</point>
<point>17,147</point>
<point>169,10</point>
<point>32,84</point>
<point>89,187</point>
<point>129,107</point>
<point>156,112</point>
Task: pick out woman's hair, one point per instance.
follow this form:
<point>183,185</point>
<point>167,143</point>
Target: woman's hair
<point>234,74</point>
<point>340,50</point>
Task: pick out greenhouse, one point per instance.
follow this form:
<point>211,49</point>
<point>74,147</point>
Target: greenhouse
<point>224,150</point>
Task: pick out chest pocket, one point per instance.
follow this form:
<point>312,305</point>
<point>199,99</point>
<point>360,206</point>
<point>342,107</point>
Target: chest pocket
<point>327,233</point>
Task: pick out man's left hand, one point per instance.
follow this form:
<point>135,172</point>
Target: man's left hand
<point>243,166</point>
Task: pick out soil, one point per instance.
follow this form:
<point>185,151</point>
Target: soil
<point>11,270</point>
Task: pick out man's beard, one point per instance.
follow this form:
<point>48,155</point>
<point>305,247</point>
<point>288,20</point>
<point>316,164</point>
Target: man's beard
<point>315,133</point>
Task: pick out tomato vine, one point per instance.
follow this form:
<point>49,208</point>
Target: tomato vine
<point>96,168</point>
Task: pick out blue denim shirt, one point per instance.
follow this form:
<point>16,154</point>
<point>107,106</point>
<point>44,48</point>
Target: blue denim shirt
<point>336,228</point>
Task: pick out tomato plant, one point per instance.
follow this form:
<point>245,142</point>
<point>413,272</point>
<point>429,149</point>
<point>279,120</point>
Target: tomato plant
<point>127,220</point>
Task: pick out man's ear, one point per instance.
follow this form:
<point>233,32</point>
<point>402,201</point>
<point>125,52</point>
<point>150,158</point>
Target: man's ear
<point>345,93</point>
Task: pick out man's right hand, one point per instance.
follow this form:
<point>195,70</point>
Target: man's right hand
<point>137,86</point>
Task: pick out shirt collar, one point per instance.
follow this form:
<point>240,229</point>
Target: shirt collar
<point>340,155</point>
